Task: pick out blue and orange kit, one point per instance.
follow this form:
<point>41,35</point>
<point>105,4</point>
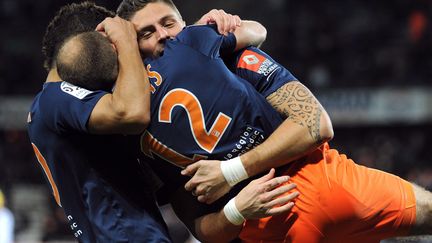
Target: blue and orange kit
<point>96,179</point>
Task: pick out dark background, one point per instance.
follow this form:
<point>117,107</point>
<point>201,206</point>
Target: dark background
<point>331,44</point>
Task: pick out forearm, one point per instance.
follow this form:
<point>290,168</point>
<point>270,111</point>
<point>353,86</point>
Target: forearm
<point>306,127</point>
<point>216,228</point>
<point>289,142</point>
<point>127,109</point>
<point>262,197</point>
<point>131,96</point>
<point>250,33</point>
<point>132,87</point>
<point>204,225</point>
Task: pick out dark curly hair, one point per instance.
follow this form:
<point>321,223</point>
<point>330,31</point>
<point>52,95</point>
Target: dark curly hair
<point>69,21</point>
<point>128,8</point>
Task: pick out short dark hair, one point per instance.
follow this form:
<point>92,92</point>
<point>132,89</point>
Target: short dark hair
<point>89,61</point>
<point>128,8</point>
<point>70,20</point>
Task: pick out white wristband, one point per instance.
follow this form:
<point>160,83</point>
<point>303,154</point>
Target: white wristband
<point>233,171</point>
<point>232,214</point>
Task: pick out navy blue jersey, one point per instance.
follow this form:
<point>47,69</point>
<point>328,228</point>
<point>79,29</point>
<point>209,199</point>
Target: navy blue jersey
<point>259,69</point>
<point>96,179</point>
<point>200,109</point>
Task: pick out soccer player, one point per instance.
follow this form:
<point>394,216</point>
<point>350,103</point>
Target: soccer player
<point>340,201</point>
<point>85,169</point>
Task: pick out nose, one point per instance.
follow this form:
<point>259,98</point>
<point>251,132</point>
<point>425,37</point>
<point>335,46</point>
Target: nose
<point>162,33</point>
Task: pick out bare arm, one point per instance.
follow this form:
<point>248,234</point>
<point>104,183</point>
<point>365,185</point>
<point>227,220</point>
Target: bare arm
<point>215,228</point>
<point>247,32</point>
<point>306,127</point>
<point>127,109</point>
<point>250,33</point>
<point>263,197</point>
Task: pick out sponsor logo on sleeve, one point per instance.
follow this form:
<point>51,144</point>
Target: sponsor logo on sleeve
<point>257,63</point>
<point>75,91</point>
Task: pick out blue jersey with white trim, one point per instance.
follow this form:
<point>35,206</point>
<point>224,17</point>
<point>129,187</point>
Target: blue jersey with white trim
<point>200,109</point>
<point>96,179</point>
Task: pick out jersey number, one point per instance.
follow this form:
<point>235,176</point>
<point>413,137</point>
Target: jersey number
<point>206,139</point>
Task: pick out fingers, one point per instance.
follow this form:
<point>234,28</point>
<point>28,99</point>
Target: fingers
<point>266,177</point>
<point>202,190</point>
<point>190,185</point>
<point>107,21</point>
<point>225,22</point>
<point>277,191</point>
<point>279,201</point>
<point>101,26</point>
<point>275,182</point>
<point>228,23</point>
<point>202,198</point>
<point>279,210</point>
<point>117,30</point>
<point>237,20</point>
<point>190,169</point>
<point>212,195</point>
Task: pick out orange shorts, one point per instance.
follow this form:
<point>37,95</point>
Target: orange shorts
<point>339,201</point>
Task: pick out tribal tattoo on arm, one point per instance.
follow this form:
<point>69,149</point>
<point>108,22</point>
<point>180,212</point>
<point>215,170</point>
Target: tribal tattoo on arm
<point>299,105</point>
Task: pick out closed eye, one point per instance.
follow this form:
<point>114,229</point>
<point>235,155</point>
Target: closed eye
<point>145,35</point>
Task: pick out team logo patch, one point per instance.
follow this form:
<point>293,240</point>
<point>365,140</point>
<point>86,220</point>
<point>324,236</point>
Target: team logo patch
<point>75,91</point>
<point>257,63</point>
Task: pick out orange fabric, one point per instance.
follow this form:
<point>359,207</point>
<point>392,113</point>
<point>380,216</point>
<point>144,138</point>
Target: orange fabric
<point>251,60</point>
<point>339,201</point>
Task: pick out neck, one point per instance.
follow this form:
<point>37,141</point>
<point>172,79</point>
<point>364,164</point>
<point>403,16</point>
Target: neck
<point>53,76</point>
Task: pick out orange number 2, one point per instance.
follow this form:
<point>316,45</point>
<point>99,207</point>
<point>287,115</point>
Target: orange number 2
<point>207,140</point>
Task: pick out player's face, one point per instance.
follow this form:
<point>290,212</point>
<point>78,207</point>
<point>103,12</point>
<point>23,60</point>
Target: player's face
<point>156,23</point>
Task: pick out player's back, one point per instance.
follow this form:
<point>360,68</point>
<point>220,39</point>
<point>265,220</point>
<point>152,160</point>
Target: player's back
<point>87,172</point>
<point>200,109</point>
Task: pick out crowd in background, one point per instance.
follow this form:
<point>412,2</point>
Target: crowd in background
<point>326,44</point>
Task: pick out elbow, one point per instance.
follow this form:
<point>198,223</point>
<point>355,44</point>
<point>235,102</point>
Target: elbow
<point>138,123</point>
<point>134,122</point>
<point>261,35</point>
<point>327,134</point>
<point>258,35</point>
<point>250,33</point>
<point>326,130</point>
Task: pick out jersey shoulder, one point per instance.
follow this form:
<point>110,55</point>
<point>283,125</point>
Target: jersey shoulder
<point>203,38</point>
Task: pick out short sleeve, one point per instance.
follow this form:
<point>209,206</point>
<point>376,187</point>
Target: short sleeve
<point>66,107</point>
<point>206,39</point>
<point>259,69</point>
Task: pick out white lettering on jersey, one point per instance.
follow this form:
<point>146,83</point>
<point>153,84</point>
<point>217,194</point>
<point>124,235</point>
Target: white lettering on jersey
<point>74,227</point>
<point>75,91</point>
<point>267,67</point>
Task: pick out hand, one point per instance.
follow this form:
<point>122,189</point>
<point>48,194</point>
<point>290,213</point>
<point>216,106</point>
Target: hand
<point>208,182</point>
<point>266,196</point>
<point>119,31</point>
<point>225,22</point>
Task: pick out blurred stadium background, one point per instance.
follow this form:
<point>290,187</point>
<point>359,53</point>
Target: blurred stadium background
<point>368,62</point>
